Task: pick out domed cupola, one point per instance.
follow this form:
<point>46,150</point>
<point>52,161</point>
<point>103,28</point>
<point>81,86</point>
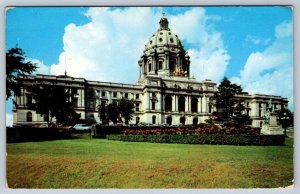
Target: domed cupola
<point>164,54</point>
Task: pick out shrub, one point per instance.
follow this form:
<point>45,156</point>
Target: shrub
<point>220,139</point>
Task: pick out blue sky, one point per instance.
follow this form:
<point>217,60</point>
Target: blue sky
<point>252,46</point>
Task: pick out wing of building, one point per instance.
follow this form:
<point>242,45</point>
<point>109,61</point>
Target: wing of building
<point>164,94</point>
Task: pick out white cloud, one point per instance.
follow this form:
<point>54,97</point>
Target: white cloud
<point>9,119</point>
<point>285,29</point>
<point>109,46</point>
<point>254,40</point>
<point>209,58</point>
<point>271,71</point>
<point>42,68</point>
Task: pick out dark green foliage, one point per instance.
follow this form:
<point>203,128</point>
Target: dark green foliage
<point>112,113</point>
<point>285,118</point>
<point>126,109</point>
<point>219,139</point>
<point>16,65</point>
<point>28,133</point>
<point>115,111</point>
<point>102,109</point>
<point>54,101</point>
<point>229,108</point>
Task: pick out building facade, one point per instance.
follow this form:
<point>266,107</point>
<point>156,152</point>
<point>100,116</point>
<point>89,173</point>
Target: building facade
<point>164,94</point>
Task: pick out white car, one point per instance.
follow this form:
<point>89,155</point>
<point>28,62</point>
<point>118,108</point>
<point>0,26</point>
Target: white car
<point>82,127</point>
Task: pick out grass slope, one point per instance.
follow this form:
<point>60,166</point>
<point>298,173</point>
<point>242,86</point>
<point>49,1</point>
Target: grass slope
<point>99,163</point>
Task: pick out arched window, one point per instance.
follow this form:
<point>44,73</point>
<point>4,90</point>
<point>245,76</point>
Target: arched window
<point>153,119</point>
<point>29,117</point>
<point>194,104</point>
<point>181,104</point>
<point>168,103</point>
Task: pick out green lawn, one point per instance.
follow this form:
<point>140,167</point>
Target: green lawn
<point>100,163</point>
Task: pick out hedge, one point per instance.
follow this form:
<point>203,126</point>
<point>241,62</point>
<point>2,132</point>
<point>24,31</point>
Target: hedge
<point>217,139</point>
<point>28,133</point>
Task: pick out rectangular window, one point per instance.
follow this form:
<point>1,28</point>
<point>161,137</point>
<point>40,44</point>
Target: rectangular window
<point>115,94</point>
<point>160,64</point>
<point>153,105</point>
<point>137,107</point>
<point>126,95</point>
<point>103,93</point>
<point>137,96</point>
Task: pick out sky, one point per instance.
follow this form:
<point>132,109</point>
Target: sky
<point>252,46</point>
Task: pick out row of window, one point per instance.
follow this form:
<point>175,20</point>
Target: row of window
<point>116,94</point>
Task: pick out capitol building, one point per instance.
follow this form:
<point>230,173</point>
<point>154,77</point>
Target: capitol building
<point>164,94</point>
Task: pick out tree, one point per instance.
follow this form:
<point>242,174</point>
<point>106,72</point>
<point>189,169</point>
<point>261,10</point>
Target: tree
<point>16,65</point>
<point>126,109</point>
<point>54,101</point>
<point>114,111</point>
<point>102,109</point>
<point>285,118</point>
<point>229,108</point>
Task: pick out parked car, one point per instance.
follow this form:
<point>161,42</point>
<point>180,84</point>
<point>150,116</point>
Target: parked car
<point>81,127</point>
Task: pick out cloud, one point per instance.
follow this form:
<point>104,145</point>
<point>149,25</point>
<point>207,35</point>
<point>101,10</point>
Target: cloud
<point>285,29</point>
<point>9,119</point>
<point>209,57</point>
<point>42,68</point>
<point>271,71</point>
<point>254,40</point>
<point>109,46</point>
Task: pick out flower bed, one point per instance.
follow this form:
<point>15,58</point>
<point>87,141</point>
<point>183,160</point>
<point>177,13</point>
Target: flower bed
<point>192,130</point>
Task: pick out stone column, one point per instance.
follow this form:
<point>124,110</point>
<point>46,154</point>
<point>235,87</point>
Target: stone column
<point>167,60</point>
<point>186,104</point>
<point>199,104</point>
<point>159,102</point>
<point>174,103</point>
<point>203,104</point>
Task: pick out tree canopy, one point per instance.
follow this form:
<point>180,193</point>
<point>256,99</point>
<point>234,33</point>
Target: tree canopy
<point>16,65</point>
<point>51,101</point>
<point>115,111</point>
<point>229,108</point>
<point>285,118</point>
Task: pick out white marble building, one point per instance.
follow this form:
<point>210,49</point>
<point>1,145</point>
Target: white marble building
<point>164,94</point>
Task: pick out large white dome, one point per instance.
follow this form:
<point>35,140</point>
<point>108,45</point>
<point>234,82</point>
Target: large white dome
<point>164,54</point>
<point>164,38</point>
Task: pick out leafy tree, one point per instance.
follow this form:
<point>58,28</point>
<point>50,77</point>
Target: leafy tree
<point>16,65</point>
<point>285,118</point>
<point>54,101</point>
<point>114,111</point>
<point>229,108</point>
<point>126,108</point>
<point>102,109</point>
